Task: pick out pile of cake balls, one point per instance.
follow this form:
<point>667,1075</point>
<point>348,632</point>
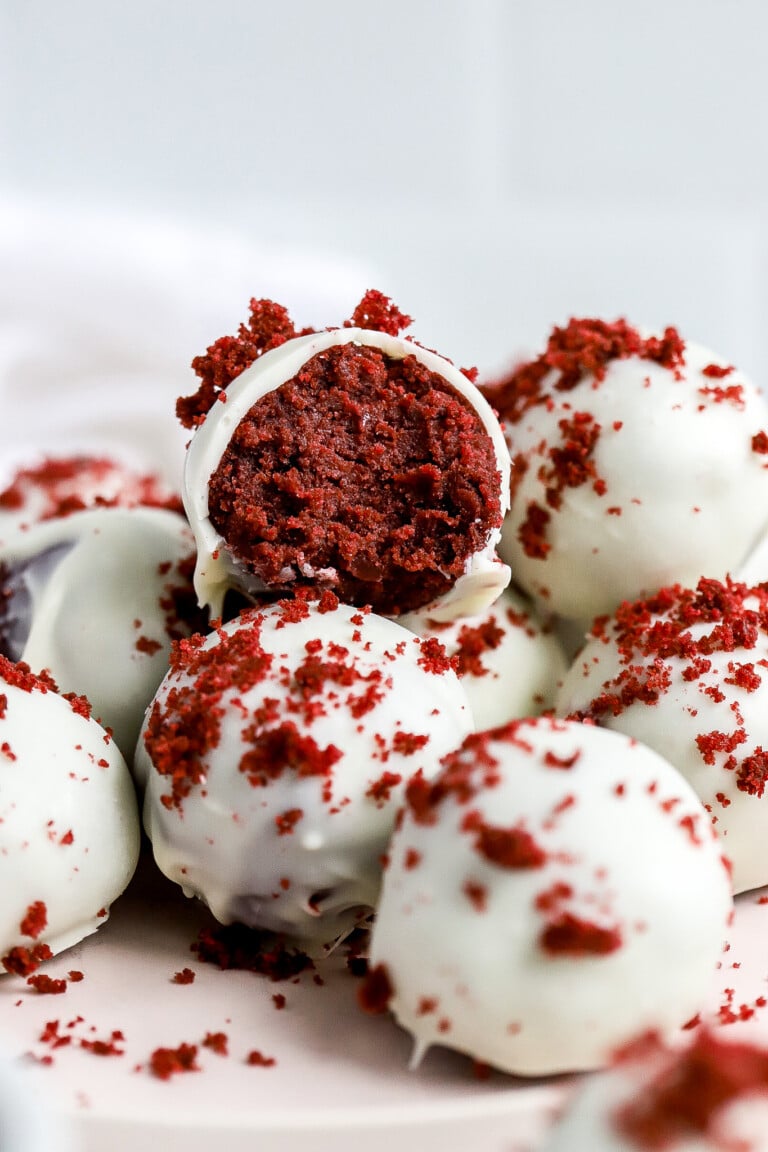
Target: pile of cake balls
<point>475,668</point>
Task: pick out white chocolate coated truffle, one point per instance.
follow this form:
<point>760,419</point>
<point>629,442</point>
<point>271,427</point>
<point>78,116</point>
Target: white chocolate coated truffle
<point>484,576</point>
<point>710,1095</point>
<point>275,756</point>
<point>509,664</point>
<point>555,890</point>
<point>95,600</point>
<point>644,476</point>
<point>69,827</point>
<point>686,672</point>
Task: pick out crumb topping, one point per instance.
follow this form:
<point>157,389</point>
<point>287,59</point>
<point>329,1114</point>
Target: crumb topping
<point>685,1100</point>
<point>20,675</point>
<point>63,485</point>
<point>268,326</point>
<point>677,633</point>
<point>584,347</point>
<point>207,691</point>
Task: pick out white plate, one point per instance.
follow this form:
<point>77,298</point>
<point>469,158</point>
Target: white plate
<point>78,377</point>
<point>339,1076</point>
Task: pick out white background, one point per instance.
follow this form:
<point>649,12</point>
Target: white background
<point>495,165</point>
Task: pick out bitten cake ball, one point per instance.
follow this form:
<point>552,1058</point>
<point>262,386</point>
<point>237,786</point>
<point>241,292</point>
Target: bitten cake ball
<point>69,826</point>
<point>709,1096</point>
<point>554,890</point>
<point>637,462</point>
<point>350,459</point>
<point>96,599</point>
<point>60,485</point>
<point>686,672</point>
<point>509,664</point>
<point>275,756</point>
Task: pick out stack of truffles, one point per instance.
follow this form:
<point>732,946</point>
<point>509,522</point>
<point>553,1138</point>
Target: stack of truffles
<point>334,678</point>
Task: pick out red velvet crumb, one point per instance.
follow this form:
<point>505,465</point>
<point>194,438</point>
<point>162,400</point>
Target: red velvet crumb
<point>569,935</point>
<point>167,1062</point>
<point>35,920</point>
<point>513,848</point>
<point>237,947</point>
<point>685,1100</point>
<point>582,348</point>
<point>46,985</point>
<point>376,990</point>
<point>185,976</point>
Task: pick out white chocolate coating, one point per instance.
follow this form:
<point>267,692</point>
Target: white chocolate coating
<point>685,493</point>
<point>683,711</point>
<point>98,615</point>
<point>595,1118</point>
<point>477,949</point>
<point>517,665</point>
<point>69,826</point>
<point>217,570</point>
<point>285,847</point>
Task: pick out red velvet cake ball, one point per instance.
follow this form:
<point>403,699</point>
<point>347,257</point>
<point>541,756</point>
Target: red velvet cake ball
<point>275,756</point>
<point>352,459</point>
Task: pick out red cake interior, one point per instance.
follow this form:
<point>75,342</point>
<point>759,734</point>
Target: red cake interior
<point>367,474</point>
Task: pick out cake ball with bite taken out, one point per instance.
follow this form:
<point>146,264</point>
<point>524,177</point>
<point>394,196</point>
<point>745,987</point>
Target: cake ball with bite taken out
<point>350,459</point>
<point>707,1094</point>
<point>638,461</point>
<point>509,663</point>
<point>275,755</point>
<point>69,826</point>
<point>555,889</point>
<point>96,598</point>
<point>686,672</point>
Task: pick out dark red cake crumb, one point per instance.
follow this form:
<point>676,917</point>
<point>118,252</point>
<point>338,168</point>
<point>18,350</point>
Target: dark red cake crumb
<point>22,961</point>
<point>235,946</point>
<point>218,1042</point>
<point>375,991</point>
<point>111,1047</point>
<point>365,474</point>
<point>473,642</point>
<point>513,848</point>
<point>257,1059</point>
<point>378,313</point>
<point>684,1102</point>
<point>176,748</point>
<point>167,1062</point>
<point>35,920</point>
<point>20,675</point>
<point>47,985</point>
<point>569,935</point>
<point>268,326</point>
<point>59,481</point>
<point>185,976</point>
<point>582,348</point>
<point>729,617</point>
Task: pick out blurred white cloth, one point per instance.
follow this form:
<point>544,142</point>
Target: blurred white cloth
<point>101,314</point>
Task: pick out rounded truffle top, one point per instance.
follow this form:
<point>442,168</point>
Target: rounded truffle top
<point>638,461</point>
